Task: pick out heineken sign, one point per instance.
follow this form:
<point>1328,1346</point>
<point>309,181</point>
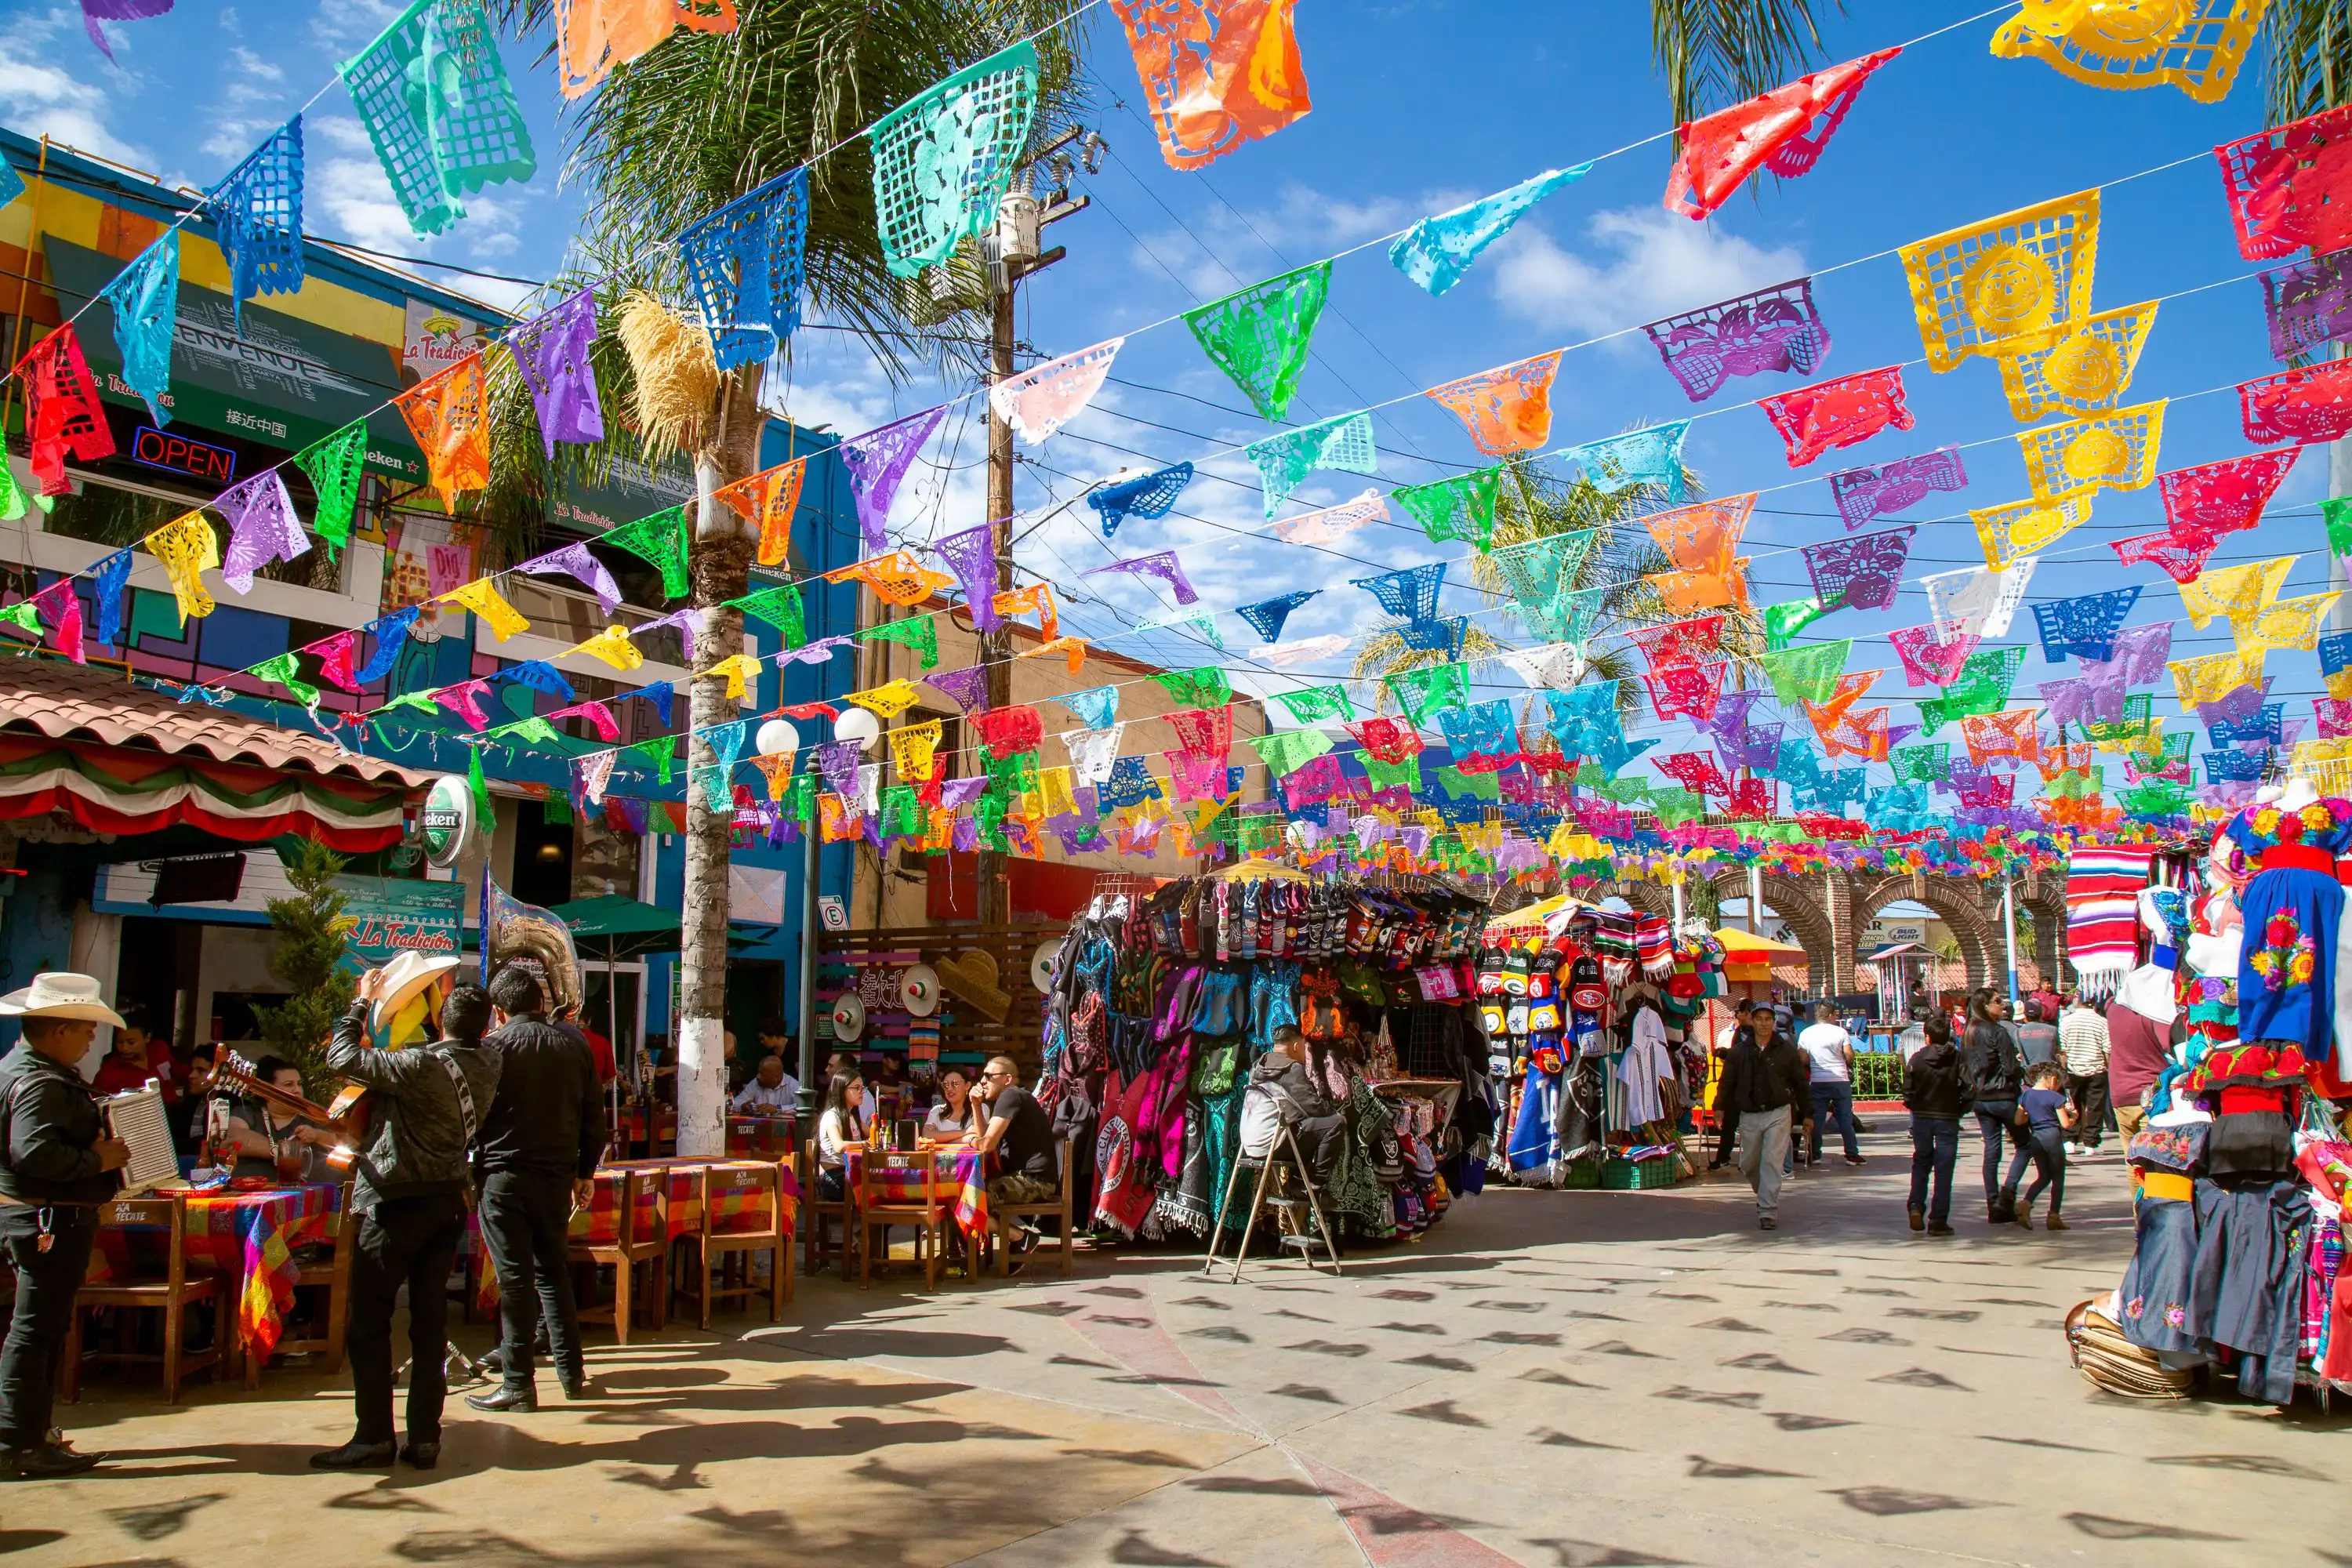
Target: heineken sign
<point>447,821</point>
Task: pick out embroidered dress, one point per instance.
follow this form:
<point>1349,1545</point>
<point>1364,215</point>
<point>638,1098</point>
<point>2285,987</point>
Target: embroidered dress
<point>2293,906</point>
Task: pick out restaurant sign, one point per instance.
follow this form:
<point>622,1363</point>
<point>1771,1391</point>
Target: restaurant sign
<point>390,916</point>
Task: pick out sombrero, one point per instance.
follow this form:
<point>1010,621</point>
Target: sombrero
<point>1041,964</point>
<point>405,978</point>
<point>918,990</point>
<point>848,1016</point>
<point>60,994</point>
<point>971,976</point>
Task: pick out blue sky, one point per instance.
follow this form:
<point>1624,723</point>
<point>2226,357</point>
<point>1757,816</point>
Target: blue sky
<point>1418,107</point>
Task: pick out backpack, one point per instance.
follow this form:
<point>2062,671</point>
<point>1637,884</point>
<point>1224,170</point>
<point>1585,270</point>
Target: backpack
<point>1320,1016</point>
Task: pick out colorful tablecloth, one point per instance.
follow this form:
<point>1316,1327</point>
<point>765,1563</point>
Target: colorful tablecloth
<point>961,1169</point>
<point>739,1195</point>
<point>771,1136</point>
<point>246,1237</point>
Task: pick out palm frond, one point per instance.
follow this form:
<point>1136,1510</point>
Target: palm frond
<point>1717,52</point>
<point>2309,67</point>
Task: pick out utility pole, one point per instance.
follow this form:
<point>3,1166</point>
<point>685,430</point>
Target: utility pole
<point>1010,255</point>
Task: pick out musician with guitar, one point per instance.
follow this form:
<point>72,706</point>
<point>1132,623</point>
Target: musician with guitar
<point>427,1104</point>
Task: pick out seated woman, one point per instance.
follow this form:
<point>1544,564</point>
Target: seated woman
<point>263,1136</point>
<point>951,1117</point>
<point>843,1124</point>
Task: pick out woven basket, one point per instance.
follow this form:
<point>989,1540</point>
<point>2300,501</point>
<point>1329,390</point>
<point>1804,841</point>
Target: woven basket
<point>2111,1363</point>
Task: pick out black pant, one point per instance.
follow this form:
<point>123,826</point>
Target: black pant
<point>46,1283</point>
<point>2089,1092</point>
<point>1726,1137</point>
<point>412,1241</point>
<point>1318,1143</point>
<point>525,1216</point>
<point>2045,1150</point>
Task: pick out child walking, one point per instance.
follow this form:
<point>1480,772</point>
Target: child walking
<point>2047,1114</point>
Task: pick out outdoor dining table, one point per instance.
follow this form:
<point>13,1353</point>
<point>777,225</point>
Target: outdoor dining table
<point>738,1196</point>
<point>771,1136</point>
<point>245,1234</point>
<point>900,1179</point>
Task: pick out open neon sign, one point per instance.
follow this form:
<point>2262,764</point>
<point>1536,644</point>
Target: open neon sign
<point>180,454</point>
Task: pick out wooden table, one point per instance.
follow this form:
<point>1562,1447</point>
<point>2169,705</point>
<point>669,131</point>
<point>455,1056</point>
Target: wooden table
<point>742,1199</point>
<point>246,1235</point>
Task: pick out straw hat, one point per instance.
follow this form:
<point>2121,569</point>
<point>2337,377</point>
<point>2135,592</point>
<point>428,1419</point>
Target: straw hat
<point>59,994</point>
<point>973,977</point>
<point>405,978</point>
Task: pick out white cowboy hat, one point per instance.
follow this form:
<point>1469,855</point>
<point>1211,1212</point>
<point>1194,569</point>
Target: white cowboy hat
<point>403,978</point>
<point>59,994</point>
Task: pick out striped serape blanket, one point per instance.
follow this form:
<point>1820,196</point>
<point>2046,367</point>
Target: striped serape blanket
<point>2103,887</point>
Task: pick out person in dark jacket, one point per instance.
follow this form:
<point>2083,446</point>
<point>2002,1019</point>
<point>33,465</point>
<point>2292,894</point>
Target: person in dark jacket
<point>1934,1094</point>
<point>57,1166</point>
<point>541,1138</point>
<point>1993,1072</point>
<point>1768,1084</point>
<point>408,1187</point>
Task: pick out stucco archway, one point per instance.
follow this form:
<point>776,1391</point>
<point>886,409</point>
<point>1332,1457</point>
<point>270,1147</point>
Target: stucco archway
<point>1959,902</point>
<point>1802,907</point>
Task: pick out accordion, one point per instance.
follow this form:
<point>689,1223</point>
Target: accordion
<point>137,1120</point>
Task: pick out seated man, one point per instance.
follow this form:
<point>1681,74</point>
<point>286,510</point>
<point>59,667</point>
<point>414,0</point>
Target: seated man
<point>772,1091</point>
<point>1304,1105</point>
<point>264,1135</point>
<point>1020,1135</point>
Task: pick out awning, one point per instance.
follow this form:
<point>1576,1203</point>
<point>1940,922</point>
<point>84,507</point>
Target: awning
<point>116,757</point>
<point>613,926</point>
<point>1898,949</point>
<point>1748,958</point>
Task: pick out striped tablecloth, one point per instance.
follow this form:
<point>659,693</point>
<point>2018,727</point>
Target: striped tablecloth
<point>247,1238</point>
<point>962,1170</point>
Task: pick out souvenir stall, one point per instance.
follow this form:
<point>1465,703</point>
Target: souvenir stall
<point>1593,1046</point>
<point>1164,997</point>
<point>2237,1279</point>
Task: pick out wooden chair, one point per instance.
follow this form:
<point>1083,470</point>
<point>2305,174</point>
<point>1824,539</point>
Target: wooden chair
<point>709,1246</point>
<point>1001,1216</point>
<point>816,1210</point>
<point>334,1277</point>
<point>636,1239</point>
<point>876,1209</point>
<point>170,1295</point>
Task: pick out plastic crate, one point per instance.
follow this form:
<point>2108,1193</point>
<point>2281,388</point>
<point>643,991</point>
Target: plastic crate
<point>1637,1176</point>
<point>1582,1176</point>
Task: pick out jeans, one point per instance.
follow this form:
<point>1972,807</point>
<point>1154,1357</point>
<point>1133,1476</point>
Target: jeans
<point>2088,1090</point>
<point>2046,1149</point>
<point>1996,1118</point>
<point>1833,1100</point>
<point>412,1241</point>
<point>1764,1156</point>
<point>1935,1147</point>
<point>46,1283</point>
<point>525,1216</point>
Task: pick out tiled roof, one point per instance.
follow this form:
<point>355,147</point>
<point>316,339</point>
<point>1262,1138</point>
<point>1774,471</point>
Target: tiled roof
<point>65,701</point>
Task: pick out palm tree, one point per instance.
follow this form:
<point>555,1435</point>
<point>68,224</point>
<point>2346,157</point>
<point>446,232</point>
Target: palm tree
<point>699,121</point>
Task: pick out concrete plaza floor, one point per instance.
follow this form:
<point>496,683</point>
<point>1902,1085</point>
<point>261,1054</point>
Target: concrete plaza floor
<point>1573,1378</point>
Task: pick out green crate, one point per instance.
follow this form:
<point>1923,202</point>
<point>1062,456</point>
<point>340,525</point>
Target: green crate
<point>1637,1176</point>
<point>1582,1176</point>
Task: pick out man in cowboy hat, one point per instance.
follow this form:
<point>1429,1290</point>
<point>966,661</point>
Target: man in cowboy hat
<point>57,1165</point>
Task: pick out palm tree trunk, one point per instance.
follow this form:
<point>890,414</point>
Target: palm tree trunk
<point>721,562</point>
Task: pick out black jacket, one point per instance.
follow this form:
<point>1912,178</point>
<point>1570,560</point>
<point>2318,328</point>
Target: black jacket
<point>1756,1081</point>
<point>416,1140</point>
<point>1933,1082</point>
<point>1992,1070</point>
<point>52,1121</point>
<point>548,1116</point>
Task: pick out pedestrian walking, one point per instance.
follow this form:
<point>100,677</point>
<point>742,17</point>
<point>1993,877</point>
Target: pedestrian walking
<point>1766,1082</point>
<point>2048,1113</point>
<point>1994,1074</point>
<point>1828,1057</point>
<point>1726,1120</point>
<point>2082,1042</point>
<point>2037,1037</point>
<point>1935,1095</point>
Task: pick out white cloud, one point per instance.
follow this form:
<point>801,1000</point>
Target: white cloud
<point>39,96</point>
<point>1222,248</point>
<point>1645,263</point>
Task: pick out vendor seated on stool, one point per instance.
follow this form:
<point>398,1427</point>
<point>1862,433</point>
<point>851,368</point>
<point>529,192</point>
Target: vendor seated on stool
<point>1307,1106</point>
<point>57,1167</point>
<point>262,1137</point>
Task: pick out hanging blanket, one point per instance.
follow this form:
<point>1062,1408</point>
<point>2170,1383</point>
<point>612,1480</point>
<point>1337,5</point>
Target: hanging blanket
<point>2102,924</point>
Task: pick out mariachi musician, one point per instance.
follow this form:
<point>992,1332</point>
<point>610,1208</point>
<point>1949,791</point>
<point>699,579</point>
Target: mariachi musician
<point>57,1166</point>
<point>427,1102</point>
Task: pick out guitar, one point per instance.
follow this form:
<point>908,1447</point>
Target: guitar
<point>346,1116</point>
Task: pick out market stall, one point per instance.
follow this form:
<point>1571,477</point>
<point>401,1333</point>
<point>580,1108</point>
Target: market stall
<point>1164,997</point>
<point>2224,969</point>
<point>1594,1045</point>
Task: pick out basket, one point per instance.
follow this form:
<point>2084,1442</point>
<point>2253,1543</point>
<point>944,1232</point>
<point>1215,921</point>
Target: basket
<point>2113,1364</point>
<point>1637,1176</point>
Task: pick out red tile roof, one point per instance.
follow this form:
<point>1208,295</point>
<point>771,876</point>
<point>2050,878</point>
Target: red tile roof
<point>65,701</point>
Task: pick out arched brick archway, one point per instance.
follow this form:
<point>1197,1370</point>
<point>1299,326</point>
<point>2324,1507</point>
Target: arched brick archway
<point>1809,921</point>
<point>1960,904</point>
<point>2042,908</point>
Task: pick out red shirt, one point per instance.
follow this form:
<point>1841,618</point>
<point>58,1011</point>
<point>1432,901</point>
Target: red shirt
<point>119,1074</point>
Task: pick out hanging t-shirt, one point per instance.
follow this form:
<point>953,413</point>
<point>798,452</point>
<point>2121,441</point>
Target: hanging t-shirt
<point>1825,1046</point>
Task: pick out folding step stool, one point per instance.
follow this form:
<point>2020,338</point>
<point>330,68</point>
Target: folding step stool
<point>1285,1209</point>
